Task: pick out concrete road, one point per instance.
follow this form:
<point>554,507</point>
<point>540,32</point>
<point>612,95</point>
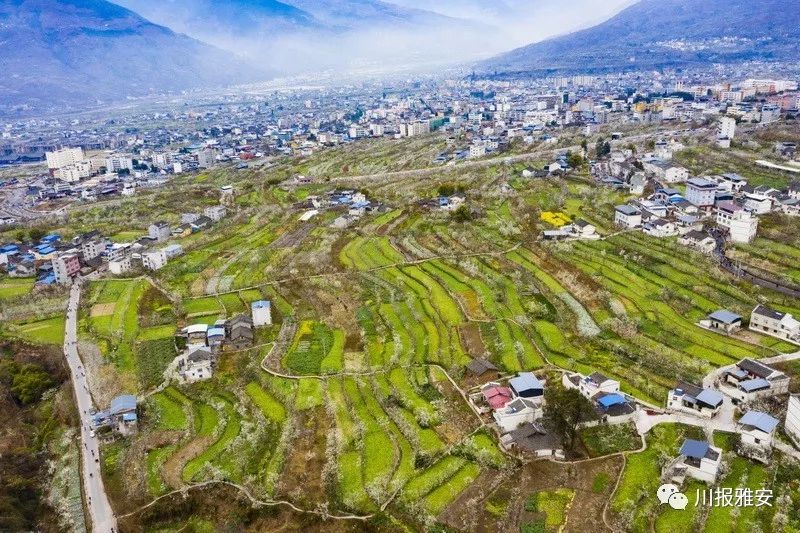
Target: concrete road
<point>100,511</point>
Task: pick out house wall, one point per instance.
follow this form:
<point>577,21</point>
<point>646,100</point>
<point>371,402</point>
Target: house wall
<point>792,423</point>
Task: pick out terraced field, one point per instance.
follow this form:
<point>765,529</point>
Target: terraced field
<point>347,404</point>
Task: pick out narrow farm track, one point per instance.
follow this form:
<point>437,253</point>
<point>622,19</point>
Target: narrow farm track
<point>256,502</point>
<point>414,262</point>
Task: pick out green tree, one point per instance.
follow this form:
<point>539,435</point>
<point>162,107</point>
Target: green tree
<point>36,234</point>
<point>462,214</point>
<point>563,410</point>
<point>574,160</point>
<point>446,189</point>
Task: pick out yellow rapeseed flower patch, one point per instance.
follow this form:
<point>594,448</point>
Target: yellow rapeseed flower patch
<point>556,219</point>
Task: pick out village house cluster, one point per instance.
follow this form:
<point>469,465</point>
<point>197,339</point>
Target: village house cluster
<point>52,260</point>
<point>205,342</point>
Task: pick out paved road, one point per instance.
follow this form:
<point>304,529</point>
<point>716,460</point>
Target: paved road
<point>100,511</point>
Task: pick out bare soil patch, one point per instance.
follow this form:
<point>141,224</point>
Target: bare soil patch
<point>302,478</point>
<point>511,490</point>
<point>102,309</point>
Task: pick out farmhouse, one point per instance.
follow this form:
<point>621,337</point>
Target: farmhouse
<point>750,379</point>
<point>526,385</point>
<point>590,385</point>
<point>480,367</point>
<point>612,408</point>
<point>756,429</point>
<point>775,323</point>
<point>121,416</point>
<point>261,312</point>
<point>792,422</point>
<point>694,400</point>
<point>699,240</point>
<point>697,460</point>
<point>517,412</point>
<point>659,227</point>
<point>240,331</point>
<point>195,364</point>
<point>196,334</point>
<point>627,216</point>
<point>534,439</point>
<point>495,396</point>
<point>723,320</point>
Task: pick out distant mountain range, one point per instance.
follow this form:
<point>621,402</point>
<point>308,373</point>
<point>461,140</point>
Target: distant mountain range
<point>79,51</point>
<point>306,35</point>
<point>661,33</point>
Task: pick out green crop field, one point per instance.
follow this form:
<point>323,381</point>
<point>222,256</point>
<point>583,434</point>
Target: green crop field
<point>356,400</point>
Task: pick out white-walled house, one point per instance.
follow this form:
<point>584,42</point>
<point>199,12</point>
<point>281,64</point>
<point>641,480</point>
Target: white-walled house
<point>695,400</point>
<point>590,385</point>
<point>195,364</point>
<point>627,216</point>
<point>757,429</point>
<point>517,412</point>
<point>154,260</point>
<point>261,312</point>
<point>660,227</point>
<point>775,323</point>
<point>792,422</point>
<point>750,380</point>
<point>698,460</point>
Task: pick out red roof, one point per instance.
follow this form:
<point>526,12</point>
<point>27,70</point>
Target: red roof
<point>497,397</point>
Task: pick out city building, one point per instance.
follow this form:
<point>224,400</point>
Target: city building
<point>701,192</point>
<point>115,163</point>
<point>727,128</point>
<point>63,158</point>
<point>74,172</point>
<point>65,268</point>
<point>741,224</point>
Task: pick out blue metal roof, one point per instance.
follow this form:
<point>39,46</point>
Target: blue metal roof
<point>525,381</point>
<point>261,304</point>
<point>126,402</point>
<point>757,419</point>
<point>215,331</point>
<point>710,397</point>
<point>610,400</point>
<point>752,385</point>
<point>129,417</point>
<point>724,316</point>
<point>694,448</point>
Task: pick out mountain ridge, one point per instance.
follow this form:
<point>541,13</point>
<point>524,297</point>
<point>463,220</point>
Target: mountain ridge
<point>664,33</point>
<point>89,50</point>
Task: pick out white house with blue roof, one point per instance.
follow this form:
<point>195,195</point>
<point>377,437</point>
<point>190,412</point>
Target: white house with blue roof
<point>527,385</point>
<point>695,400</point>
<point>723,320</point>
<point>121,416</point>
<point>750,379</point>
<point>697,459</point>
<point>261,313</point>
<point>757,429</point>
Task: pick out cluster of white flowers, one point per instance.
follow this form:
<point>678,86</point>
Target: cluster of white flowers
<point>586,325</point>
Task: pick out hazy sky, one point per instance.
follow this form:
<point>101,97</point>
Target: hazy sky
<point>477,29</point>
